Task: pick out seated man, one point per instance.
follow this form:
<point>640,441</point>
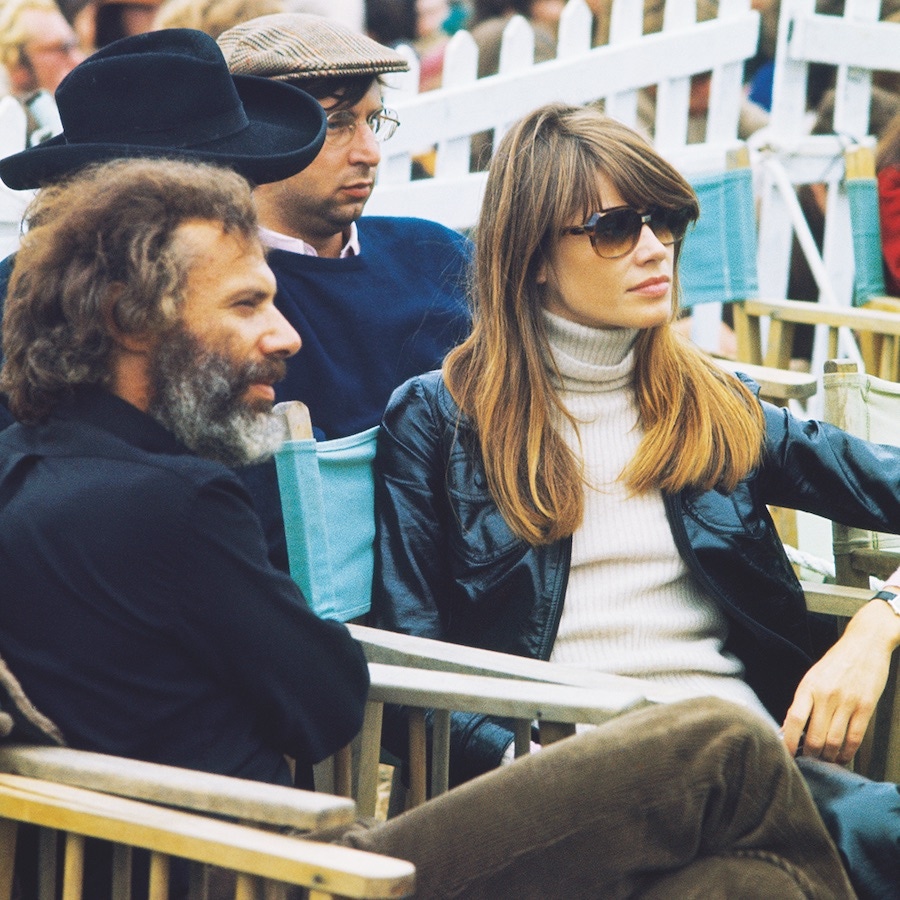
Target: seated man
<point>377,299</point>
<point>139,611</point>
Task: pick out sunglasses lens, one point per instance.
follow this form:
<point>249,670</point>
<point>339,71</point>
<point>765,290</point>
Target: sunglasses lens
<point>616,232</point>
<point>669,225</point>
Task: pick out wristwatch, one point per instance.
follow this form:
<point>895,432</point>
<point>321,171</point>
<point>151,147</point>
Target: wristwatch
<point>889,597</point>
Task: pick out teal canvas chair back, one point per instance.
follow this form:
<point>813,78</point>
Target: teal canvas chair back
<point>717,263</point>
<point>328,500</point>
<point>862,196</point>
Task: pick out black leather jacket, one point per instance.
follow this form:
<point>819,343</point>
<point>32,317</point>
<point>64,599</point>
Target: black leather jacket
<point>447,565</point>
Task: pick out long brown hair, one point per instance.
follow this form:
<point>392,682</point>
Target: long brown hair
<point>702,428</point>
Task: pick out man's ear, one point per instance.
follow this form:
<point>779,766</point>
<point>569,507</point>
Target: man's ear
<point>127,341</point>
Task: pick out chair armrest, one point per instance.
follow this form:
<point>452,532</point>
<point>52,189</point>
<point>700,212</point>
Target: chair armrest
<point>395,649</point>
<point>800,312</point>
<point>835,599</point>
<point>325,867</point>
<point>775,384</point>
<point>220,795</point>
<point>507,697</point>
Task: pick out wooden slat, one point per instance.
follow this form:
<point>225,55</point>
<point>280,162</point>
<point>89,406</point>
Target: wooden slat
<point>343,772</point>
<point>865,319</point>
<point>159,877</point>
<point>73,867</point>
<point>502,696</point>
<point>249,801</point>
<point>121,876</point>
<point>418,754</point>
<point>523,738</point>
<point>369,755</point>
<point>440,752</point>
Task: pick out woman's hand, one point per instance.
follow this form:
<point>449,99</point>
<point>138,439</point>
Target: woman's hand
<point>836,698</point>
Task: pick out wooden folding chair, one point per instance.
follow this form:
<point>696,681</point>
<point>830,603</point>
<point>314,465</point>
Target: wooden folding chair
<point>868,407</point>
<point>719,264</point>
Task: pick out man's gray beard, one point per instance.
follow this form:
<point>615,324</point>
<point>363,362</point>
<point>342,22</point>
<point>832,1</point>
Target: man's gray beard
<point>197,394</point>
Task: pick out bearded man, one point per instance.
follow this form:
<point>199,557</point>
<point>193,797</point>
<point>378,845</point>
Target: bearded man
<point>139,610</point>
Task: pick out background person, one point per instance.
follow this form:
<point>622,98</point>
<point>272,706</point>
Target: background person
<point>37,50</point>
<point>112,101</point>
<point>377,299</point>
<point>887,164</point>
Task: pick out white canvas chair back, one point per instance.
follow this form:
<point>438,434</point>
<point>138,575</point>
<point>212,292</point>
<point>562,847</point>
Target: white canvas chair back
<point>867,407</point>
<point>328,501</point>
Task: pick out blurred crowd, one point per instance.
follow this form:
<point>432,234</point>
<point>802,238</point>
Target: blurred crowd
<point>42,40</point>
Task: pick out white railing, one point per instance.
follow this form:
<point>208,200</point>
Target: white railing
<point>662,63</point>
<point>856,44</point>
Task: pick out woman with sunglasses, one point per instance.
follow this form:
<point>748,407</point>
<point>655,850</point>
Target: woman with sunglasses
<point>581,485</point>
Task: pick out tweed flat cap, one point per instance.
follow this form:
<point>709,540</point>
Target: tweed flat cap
<point>290,46</point>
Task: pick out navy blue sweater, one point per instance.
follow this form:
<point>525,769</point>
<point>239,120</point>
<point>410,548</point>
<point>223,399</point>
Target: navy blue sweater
<point>371,321</point>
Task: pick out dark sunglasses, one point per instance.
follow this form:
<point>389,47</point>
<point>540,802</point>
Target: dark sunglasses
<point>615,232</point>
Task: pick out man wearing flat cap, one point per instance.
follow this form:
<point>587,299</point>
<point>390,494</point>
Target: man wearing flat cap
<point>375,299</point>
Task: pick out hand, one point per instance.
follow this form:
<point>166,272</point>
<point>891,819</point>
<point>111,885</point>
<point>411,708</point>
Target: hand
<point>836,698</point>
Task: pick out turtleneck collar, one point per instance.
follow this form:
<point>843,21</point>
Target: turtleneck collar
<point>590,359</point>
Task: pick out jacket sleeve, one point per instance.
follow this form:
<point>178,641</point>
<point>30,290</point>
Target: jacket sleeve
<point>412,590</point>
<point>305,678</point>
<point>816,467</point>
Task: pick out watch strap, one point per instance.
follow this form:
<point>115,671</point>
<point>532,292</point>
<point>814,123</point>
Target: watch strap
<point>889,597</point>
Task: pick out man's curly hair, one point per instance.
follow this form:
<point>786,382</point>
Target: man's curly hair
<point>98,255</point>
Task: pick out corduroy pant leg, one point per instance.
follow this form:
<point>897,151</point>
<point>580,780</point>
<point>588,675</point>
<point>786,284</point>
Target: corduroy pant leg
<point>618,811</point>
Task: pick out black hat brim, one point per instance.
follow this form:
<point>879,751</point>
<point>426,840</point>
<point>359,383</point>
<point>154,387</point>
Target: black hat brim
<point>286,130</point>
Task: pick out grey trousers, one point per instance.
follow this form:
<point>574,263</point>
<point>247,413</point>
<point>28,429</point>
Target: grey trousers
<point>688,800</point>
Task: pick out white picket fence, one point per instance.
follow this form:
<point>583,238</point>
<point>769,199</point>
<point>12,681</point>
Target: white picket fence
<point>614,73</point>
<point>856,44</point>
<point>784,154</point>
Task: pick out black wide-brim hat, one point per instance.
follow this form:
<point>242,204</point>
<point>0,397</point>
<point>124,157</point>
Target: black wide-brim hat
<point>169,94</point>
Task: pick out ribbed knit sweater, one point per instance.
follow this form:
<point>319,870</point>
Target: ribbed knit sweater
<point>631,607</point>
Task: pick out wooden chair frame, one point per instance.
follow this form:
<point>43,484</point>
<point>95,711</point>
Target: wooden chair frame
<point>254,854</point>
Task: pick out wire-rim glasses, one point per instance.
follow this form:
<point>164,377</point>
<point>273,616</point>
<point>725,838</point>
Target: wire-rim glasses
<point>342,125</point>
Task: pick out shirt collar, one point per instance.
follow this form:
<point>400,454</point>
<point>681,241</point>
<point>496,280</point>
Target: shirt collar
<point>103,409</point>
<point>274,240</point>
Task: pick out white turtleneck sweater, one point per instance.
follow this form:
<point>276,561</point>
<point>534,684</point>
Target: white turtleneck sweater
<point>631,607</point>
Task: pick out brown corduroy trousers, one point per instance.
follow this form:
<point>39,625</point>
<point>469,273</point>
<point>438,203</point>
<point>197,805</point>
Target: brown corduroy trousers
<point>690,800</point>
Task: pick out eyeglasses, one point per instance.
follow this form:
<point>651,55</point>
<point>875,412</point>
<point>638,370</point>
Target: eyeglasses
<point>342,125</point>
<point>60,48</point>
<point>615,232</point>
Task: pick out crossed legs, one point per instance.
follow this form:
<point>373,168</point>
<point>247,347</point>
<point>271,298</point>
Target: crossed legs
<point>693,799</point>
